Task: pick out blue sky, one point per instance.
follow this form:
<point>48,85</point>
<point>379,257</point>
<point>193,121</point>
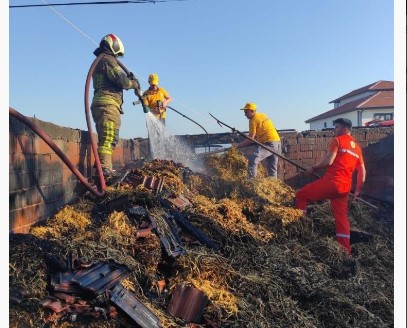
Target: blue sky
<point>291,58</point>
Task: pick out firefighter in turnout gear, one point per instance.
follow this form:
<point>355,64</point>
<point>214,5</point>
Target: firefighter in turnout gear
<point>109,80</point>
<point>343,157</point>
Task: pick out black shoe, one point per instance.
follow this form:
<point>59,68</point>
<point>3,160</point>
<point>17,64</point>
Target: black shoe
<point>349,267</point>
<point>360,237</point>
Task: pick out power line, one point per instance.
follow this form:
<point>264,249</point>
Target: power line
<point>69,22</point>
<point>95,43</point>
<point>94,3</point>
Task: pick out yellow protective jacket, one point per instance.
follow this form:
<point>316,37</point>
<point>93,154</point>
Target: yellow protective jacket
<point>263,128</point>
<point>150,100</point>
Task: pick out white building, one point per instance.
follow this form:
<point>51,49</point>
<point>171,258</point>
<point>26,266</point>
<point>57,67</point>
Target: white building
<point>374,101</point>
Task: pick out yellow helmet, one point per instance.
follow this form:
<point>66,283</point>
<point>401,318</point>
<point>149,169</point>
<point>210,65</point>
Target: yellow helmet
<point>115,44</point>
<point>249,106</point>
<point>153,79</point>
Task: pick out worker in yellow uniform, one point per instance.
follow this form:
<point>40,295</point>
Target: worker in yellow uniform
<point>109,80</point>
<point>262,129</point>
<point>156,98</point>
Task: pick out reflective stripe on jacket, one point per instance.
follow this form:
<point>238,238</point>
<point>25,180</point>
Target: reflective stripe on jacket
<point>109,80</point>
<point>348,156</point>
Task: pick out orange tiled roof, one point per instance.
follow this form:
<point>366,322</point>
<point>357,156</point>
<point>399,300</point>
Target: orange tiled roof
<point>382,99</point>
<point>376,86</point>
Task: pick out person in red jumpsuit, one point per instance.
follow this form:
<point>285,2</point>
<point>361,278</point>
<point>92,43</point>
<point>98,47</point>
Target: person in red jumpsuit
<point>343,157</point>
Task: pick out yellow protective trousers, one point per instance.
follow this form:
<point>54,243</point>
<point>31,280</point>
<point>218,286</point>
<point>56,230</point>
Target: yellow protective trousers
<point>107,120</point>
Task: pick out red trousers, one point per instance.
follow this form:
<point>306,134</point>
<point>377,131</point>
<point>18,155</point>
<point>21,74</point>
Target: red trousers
<point>338,194</point>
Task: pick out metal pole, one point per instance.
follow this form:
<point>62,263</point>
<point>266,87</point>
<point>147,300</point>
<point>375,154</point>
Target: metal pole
<point>281,156</point>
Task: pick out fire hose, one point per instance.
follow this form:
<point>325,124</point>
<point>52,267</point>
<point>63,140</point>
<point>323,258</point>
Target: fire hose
<point>281,156</point>
<point>55,148</point>
<point>87,113</point>
<point>207,135</point>
<point>88,122</point>
<point>188,118</point>
<point>101,188</point>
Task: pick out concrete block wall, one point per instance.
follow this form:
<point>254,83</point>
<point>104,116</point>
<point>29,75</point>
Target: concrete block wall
<point>40,182</point>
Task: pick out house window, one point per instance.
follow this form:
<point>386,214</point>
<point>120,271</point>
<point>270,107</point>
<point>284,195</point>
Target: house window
<point>383,116</point>
<point>324,124</point>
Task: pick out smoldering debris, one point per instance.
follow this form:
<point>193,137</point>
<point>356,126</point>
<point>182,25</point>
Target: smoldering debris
<point>272,267</point>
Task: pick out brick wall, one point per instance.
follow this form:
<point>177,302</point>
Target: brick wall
<point>310,147</point>
<point>40,182</point>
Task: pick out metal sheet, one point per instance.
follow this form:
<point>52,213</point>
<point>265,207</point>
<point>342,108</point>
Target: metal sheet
<point>136,310</point>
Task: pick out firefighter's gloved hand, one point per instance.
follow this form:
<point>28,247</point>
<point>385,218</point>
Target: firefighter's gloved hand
<point>134,81</point>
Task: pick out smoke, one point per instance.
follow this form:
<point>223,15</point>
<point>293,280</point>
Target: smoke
<point>163,145</point>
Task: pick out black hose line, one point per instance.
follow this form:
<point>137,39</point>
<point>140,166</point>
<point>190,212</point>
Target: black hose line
<point>207,135</point>
<point>281,156</point>
<point>188,119</point>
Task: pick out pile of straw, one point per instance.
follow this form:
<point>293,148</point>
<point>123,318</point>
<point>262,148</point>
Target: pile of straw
<point>274,268</point>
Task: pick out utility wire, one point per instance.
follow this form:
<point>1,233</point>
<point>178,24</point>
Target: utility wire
<point>93,3</point>
<point>45,4</point>
<point>70,23</point>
